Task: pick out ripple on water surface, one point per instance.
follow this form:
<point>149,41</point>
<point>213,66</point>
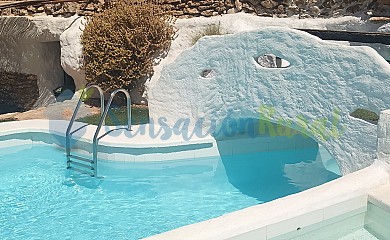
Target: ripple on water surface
<point>40,199</point>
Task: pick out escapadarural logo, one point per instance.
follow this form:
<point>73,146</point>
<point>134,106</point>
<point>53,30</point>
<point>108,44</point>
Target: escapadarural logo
<point>267,124</point>
<point>322,128</point>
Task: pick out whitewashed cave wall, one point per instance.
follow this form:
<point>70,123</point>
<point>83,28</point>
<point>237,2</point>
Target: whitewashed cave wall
<point>322,78</point>
<point>32,46</point>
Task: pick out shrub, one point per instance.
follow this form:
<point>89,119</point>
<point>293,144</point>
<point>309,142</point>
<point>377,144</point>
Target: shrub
<point>365,115</point>
<point>118,116</point>
<point>212,29</point>
<point>121,43</point>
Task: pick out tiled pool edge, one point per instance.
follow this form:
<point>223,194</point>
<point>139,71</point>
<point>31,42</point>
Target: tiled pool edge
<point>53,131</point>
<point>141,147</point>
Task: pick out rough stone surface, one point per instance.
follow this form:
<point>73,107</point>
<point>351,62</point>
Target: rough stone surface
<point>384,28</point>
<point>37,29</point>
<point>241,22</point>
<point>186,9</point>
<point>323,78</point>
<point>384,138</point>
<point>55,111</point>
<point>18,92</point>
<point>268,3</point>
<point>267,60</point>
<point>71,52</point>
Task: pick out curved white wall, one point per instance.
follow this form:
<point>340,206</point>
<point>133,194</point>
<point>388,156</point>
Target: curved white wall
<point>322,78</point>
<point>384,139</point>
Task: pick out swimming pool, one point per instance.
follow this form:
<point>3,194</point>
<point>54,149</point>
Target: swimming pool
<point>40,199</point>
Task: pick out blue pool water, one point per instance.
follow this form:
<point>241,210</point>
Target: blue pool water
<point>39,199</point>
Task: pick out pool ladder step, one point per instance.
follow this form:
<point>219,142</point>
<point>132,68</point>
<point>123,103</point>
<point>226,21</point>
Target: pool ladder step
<point>81,165</point>
<point>80,171</point>
<point>81,158</point>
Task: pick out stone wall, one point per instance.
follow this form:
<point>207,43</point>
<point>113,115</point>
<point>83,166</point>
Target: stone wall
<point>207,8</point>
<point>18,91</point>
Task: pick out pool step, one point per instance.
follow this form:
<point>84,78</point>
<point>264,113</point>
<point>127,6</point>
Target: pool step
<point>81,158</point>
<point>103,113</point>
<point>80,171</point>
<point>81,164</point>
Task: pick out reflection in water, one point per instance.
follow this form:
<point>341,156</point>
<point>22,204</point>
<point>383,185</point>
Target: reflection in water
<point>74,179</point>
<point>304,175</point>
<point>138,200</point>
<point>270,175</point>
<point>156,177</point>
<point>264,176</point>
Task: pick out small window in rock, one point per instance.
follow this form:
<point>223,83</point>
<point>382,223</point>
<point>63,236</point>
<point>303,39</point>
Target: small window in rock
<point>272,61</point>
<point>208,73</point>
<point>366,115</point>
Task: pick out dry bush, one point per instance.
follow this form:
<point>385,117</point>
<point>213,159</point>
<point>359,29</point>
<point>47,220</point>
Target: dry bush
<point>121,43</point>
<point>210,30</point>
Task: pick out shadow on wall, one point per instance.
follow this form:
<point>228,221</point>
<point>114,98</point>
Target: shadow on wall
<point>38,58</point>
<point>269,167</point>
<point>66,91</point>
<point>18,92</point>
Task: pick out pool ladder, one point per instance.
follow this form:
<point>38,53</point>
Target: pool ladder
<point>86,165</point>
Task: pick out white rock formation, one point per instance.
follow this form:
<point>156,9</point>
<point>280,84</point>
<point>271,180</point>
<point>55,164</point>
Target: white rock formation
<point>71,52</point>
<point>28,43</point>
<point>384,139</point>
<point>31,45</point>
<point>241,22</point>
<point>323,85</point>
<point>384,28</point>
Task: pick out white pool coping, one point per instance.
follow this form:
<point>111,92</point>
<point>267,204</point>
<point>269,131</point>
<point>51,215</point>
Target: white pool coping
<point>150,145</point>
<point>115,139</point>
<point>144,143</point>
<point>263,221</point>
<point>381,197</point>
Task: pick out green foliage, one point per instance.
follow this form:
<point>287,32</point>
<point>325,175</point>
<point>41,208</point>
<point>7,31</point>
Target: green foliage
<point>365,115</point>
<point>210,30</point>
<point>118,116</point>
<point>121,43</point>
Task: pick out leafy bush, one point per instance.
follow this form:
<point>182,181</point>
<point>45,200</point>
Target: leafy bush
<point>212,29</point>
<point>121,43</point>
<point>365,115</point>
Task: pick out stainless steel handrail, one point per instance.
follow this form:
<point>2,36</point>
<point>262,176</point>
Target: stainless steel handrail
<point>81,99</point>
<point>102,119</point>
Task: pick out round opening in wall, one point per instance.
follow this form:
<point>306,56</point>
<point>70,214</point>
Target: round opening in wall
<point>208,73</point>
<point>271,61</point>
